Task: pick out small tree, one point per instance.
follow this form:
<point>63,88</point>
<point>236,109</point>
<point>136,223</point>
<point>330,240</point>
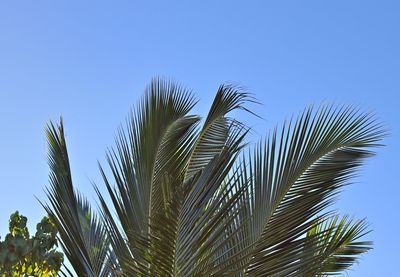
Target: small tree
<point>21,255</point>
<point>192,200</point>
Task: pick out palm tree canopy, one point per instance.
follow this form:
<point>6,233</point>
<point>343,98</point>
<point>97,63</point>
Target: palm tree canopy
<point>192,198</point>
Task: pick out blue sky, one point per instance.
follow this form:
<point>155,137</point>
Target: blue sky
<point>89,61</point>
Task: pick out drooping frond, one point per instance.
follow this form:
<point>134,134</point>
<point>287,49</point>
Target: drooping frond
<point>296,175</point>
<point>214,132</point>
<point>83,237</point>
<point>338,245</point>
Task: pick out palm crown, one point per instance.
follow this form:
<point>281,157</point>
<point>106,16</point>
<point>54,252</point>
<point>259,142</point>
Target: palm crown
<point>192,199</point>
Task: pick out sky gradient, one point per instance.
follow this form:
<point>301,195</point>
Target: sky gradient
<point>89,61</point>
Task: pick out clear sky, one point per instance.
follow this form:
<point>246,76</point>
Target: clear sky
<point>89,61</point>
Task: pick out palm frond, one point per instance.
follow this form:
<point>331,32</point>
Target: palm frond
<point>180,234</point>
<point>338,245</point>
<point>214,132</point>
<point>83,237</point>
<point>297,175</point>
<point>156,144</point>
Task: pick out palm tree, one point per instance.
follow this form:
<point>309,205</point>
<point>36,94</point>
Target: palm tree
<point>192,199</point>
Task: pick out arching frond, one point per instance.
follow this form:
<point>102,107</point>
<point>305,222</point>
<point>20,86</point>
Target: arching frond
<point>338,245</point>
<point>296,176</point>
<point>214,132</point>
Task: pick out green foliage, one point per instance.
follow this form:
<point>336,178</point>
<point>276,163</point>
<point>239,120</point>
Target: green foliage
<point>185,199</point>
<point>21,255</point>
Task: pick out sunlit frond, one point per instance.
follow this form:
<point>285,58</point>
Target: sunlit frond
<point>338,245</point>
<point>297,174</point>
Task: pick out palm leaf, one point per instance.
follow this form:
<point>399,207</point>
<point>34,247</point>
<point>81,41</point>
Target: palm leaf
<point>214,132</point>
<point>83,237</point>
<point>338,245</point>
<point>156,144</point>
<point>297,176</point>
